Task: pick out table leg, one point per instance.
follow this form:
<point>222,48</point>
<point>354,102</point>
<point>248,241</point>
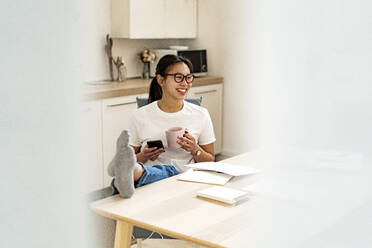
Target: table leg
<point>123,234</point>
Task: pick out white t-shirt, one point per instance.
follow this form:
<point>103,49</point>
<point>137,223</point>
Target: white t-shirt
<point>150,123</point>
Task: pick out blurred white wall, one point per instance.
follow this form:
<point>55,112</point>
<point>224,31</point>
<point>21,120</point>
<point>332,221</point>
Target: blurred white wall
<point>318,57</point>
<point>41,201</point>
<point>296,72</point>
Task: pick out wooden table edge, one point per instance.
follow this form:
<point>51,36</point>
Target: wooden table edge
<point>152,228</point>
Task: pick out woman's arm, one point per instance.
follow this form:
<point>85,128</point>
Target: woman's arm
<point>201,153</point>
<point>147,153</point>
<point>206,153</point>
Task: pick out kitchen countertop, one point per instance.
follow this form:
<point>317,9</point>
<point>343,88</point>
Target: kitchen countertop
<point>108,89</point>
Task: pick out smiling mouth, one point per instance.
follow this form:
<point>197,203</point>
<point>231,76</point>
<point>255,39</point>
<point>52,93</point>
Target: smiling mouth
<point>182,90</point>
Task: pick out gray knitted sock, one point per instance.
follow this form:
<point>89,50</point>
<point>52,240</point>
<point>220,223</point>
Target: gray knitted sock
<point>123,166</point>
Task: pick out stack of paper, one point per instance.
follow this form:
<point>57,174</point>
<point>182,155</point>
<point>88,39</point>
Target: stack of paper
<point>223,194</point>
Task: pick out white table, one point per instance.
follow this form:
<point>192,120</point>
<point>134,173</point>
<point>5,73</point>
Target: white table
<point>298,196</point>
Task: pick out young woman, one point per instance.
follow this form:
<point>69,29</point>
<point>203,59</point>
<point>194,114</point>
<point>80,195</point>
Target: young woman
<point>167,109</point>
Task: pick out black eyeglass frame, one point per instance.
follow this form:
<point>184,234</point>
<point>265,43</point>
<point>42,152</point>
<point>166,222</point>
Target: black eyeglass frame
<point>184,77</point>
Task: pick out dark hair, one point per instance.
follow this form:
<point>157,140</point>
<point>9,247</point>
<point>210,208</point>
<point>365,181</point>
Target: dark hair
<point>162,68</point>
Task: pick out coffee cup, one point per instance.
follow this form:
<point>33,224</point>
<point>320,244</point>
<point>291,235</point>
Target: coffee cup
<point>172,134</point>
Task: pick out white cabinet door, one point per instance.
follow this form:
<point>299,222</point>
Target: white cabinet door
<point>212,100</point>
<point>180,21</point>
<point>116,117</point>
<point>149,19</point>
<point>90,142</point>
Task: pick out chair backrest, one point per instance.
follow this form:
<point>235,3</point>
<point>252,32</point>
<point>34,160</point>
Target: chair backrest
<point>142,101</point>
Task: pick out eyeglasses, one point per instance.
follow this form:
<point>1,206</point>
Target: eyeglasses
<point>179,77</point>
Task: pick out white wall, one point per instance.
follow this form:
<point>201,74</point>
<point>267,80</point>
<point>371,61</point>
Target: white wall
<point>96,21</point>
<point>296,72</point>
<point>229,30</point>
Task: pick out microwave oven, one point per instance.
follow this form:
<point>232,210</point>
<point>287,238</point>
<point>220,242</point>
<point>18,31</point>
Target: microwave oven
<point>198,58</point>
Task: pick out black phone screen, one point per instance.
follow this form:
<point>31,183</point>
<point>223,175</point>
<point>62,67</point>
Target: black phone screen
<point>155,143</point>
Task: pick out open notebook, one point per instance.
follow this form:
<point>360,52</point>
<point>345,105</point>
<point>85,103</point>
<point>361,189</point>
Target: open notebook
<point>229,169</point>
<point>208,177</point>
<point>215,173</point>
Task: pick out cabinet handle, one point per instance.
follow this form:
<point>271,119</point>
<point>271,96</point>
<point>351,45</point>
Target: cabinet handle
<point>120,104</point>
<point>204,92</point>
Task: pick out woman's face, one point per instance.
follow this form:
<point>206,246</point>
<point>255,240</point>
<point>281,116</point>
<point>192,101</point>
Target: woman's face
<point>170,87</point>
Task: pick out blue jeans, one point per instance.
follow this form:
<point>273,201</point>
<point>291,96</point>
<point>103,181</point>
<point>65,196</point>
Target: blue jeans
<point>151,174</point>
<point>155,173</point>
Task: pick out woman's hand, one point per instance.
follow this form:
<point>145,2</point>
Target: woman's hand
<point>149,154</point>
<point>188,142</point>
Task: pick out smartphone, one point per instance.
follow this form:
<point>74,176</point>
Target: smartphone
<point>155,143</point>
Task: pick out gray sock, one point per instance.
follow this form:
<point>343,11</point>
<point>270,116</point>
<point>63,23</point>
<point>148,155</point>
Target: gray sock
<point>123,166</point>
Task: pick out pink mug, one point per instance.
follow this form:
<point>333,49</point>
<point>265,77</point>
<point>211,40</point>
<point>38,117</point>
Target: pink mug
<point>172,134</point>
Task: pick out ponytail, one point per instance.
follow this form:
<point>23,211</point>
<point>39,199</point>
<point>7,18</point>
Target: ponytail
<point>162,67</point>
<point>156,91</point>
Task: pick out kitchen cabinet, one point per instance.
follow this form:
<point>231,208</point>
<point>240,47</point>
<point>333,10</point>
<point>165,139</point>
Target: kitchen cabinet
<point>90,142</point>
<point>212,100</point>
<point>155,19</point>
<point>116,114</point>
<point>180,18</point>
